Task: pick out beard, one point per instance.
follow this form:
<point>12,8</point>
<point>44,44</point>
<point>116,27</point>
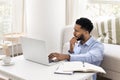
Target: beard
<point>81,37</point>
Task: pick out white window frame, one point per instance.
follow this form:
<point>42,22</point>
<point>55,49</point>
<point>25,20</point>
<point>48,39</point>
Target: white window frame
<point>17,15</point>
<point>105,1</point>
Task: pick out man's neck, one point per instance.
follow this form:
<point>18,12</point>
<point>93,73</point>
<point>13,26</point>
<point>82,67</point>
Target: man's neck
<point>85,40</point>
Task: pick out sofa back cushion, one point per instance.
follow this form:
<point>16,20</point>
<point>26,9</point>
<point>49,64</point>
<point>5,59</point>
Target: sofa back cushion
<point>109,30</point>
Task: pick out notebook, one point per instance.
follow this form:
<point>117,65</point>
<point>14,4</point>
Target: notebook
<point>71,67</point>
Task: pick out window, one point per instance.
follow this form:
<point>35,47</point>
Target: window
<point>11,24</point>
<point>11,17</point>
<point>91,9</point>
<point>5,17</point>
<point>96,8</point>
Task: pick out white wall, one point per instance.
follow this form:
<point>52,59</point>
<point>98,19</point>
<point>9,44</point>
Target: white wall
<point>45,20</point>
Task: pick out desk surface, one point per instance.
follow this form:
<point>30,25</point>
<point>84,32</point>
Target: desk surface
<point>27,70</point>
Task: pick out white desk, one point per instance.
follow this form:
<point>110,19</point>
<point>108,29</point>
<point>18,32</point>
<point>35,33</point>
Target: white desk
<point>26,70</point>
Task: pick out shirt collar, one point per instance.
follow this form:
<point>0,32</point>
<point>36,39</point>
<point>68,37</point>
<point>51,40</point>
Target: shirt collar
<point>88,42</point>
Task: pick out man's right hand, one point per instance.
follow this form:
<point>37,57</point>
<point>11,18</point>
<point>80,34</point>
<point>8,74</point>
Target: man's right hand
<point>72,43</point>
<point>59,56</point>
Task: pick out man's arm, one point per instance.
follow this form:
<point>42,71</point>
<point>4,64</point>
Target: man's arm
<point>93,55</point>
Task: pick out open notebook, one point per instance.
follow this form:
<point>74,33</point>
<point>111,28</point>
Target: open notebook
<point>71,67</point>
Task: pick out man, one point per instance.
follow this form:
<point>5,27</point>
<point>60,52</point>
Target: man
<point>83,47</point>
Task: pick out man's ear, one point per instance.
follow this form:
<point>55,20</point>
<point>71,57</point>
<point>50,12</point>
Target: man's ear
<point>86,32</point>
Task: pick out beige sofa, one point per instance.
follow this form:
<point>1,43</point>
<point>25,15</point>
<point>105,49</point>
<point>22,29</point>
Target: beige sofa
<point>111,62</point>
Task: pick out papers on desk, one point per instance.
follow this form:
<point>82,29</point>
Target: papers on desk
<point>71,67</point>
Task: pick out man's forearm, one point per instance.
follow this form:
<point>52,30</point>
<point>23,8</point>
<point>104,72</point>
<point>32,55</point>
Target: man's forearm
<point>71,48</point>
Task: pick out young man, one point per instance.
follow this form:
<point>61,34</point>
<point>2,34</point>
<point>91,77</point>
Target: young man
<point>83,47</point>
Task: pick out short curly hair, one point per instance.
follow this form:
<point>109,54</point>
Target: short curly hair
<point>85,24</point>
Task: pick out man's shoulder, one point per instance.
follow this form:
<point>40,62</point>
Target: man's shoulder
<point>96,42</point>
<point>99,45</point>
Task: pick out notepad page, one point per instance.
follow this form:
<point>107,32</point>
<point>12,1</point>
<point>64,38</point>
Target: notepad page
<point>73,66</point>
<point>59,70</point>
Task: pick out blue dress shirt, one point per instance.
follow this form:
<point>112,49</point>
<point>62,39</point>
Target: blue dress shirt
<point>91,52</point>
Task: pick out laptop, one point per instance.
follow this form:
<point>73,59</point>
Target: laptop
<point>35,50</point>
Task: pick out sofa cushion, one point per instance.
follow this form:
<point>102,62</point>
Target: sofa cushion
<point>66,48</point>
<point>109,30</point>
<point>111,59</point>
<point>67,34</point>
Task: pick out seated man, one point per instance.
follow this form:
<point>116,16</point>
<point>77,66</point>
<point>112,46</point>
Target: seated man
<point>83,47</point>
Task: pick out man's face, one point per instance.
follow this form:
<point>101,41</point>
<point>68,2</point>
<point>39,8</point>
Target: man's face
<point>79,32</point>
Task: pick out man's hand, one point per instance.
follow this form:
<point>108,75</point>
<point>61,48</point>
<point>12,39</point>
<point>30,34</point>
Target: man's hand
<point>59,56</point>
<point>72,43</point>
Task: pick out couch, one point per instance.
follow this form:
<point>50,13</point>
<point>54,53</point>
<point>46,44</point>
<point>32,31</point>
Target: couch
<point>111,62</point>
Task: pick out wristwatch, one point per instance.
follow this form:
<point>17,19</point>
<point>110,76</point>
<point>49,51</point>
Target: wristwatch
<point>70,51</point>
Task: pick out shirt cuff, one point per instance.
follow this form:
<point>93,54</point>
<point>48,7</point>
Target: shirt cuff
<point>72,57</point>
